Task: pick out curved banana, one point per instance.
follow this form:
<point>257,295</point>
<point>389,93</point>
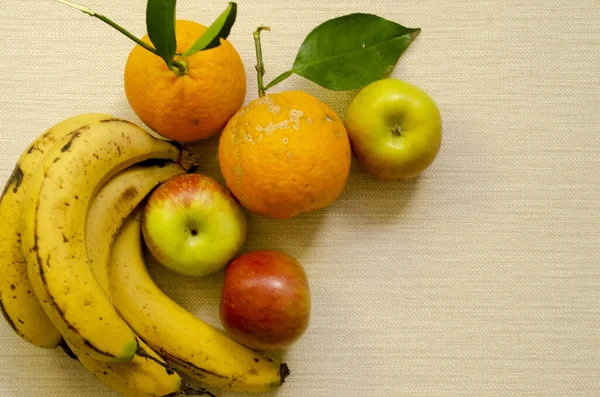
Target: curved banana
<point>53,238</point>
<point>141,377</point>
<point>113,204</point>
<point>199,350</point>
<point>18,302</point>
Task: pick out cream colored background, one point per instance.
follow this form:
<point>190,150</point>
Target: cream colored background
<point>480,278</point>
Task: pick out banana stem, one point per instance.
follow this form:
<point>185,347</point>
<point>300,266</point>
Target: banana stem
<point>260,67</point>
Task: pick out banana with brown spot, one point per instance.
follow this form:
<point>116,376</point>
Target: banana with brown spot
<point>18,302</point>
<point>113,204</point>
<point>143,376</point>
<point>53,238</point>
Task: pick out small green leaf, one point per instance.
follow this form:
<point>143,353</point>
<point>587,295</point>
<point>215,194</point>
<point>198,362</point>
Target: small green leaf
<point>218,30</point>
<point>349,52</point>
<point>160,23</point>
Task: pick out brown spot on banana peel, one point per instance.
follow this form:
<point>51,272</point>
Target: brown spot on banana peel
<point>35,147</point>
<point>115,119</point>
<point>128,194</point>
<point>15,178</point>
<point>74,135</point>
<point>197,371</point>
<point>201,373</point>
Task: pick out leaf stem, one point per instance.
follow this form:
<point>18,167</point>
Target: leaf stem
<point>110,23</point>
<point>260,67</point>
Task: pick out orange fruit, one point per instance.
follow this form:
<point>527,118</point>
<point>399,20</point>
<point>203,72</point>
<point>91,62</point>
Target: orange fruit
<point>284,154</point>
<point>191,107</point>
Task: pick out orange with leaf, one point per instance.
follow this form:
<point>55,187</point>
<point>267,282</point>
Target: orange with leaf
<point>187,105</point>
<point>288,153</point>
<point>183,80</point>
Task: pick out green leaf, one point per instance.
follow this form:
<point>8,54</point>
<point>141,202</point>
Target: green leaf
<point>218,30</point>
<point>349,52</point>
<point>160,23</point>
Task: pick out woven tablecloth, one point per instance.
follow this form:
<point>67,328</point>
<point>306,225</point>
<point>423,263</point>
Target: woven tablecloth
<point>479,278</point>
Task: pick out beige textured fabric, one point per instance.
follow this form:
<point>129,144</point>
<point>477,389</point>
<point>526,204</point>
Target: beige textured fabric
<point>480,278</point>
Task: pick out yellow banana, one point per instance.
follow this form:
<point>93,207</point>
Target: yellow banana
<point>141,377</point>
<point>53,237</point>
<point>18,302</point>
<point>115,201</point>
<point>199,350</point>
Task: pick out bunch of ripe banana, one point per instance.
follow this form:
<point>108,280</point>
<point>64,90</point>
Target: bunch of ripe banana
<point>72,269</point>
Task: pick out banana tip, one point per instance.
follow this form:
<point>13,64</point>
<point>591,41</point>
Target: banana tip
<point>284,372</point>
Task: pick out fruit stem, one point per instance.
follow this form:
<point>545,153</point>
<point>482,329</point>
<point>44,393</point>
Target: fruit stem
<point>110,23</point>
<point>396,130</point>
<point>179,67</point>
<point>260,67</point>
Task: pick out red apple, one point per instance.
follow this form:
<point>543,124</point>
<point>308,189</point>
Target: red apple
<point>265,302</point>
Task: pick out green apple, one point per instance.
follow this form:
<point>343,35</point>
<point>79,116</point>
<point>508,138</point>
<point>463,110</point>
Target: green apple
<point>395,129</point>
<point>193,225</point>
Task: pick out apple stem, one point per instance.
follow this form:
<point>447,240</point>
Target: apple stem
<point>260,67</point>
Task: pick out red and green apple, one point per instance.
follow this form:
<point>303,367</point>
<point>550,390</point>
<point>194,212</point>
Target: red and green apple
<point>193,225</point>
<point>265,302</point>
